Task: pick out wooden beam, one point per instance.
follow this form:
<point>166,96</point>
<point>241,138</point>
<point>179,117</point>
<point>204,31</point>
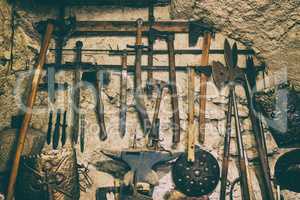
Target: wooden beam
<point>94,28</point>
<point>90,66</point>
<point>157,52</point>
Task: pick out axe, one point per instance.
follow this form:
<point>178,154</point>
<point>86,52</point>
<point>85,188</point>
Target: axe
<point>169,37</point>
<point>197,29</point>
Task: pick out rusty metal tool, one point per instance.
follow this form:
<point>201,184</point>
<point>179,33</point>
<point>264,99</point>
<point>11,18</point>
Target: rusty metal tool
<point>138,89</point>
<point>94,78</point>
<point>197,30</point>
<point>123,95</point>
<point>232,75</point>
<point>64,129</point>
<point>151,18</point>
<point>203,86</point>
<point>172,80</point>
<point>64,125</point>
<point>226,151</point>
<point>152,136</point>
<point>56,132</point>
<point>49,131</point>
<point>100,81</point>
<point>76,92</point>
<point>249,86</point>
<point>173,87</point>
<point>82,132</point>
<point>28,114</point>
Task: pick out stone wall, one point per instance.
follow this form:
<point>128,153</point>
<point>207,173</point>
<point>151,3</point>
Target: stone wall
<point>26,48</point>
<point>270,27</point>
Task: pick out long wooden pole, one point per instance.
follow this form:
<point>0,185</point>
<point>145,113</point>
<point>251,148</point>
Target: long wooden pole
<point>28,114</point>
<point>203,86</point>
<point>191,110</point>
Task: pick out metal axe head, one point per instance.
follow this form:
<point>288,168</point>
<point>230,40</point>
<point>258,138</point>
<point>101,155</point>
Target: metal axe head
<point>156,34</point>
<point>89,76</point>
<point>197,29</point>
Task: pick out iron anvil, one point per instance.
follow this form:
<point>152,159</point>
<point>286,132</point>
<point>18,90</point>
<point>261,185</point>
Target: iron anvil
<point>141,163</point>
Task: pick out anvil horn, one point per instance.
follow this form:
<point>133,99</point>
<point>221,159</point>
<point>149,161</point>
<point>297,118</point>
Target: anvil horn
<point>112,154</point>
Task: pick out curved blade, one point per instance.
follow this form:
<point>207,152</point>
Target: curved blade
<point>234,54</point>
<point>219,74</point>
<point>228,54</point>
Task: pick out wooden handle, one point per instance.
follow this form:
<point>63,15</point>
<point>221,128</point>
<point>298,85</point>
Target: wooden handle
<point>28,114</point>
<point>139,24</point>
<point>191,110</point>
<point>203,81</point>
<point>173,88</point>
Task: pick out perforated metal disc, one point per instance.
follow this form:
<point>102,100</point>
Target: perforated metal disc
<point>196,178</point>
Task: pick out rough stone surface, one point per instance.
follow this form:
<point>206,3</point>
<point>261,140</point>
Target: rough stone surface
<point>230,19</point>
<point>271,28</point>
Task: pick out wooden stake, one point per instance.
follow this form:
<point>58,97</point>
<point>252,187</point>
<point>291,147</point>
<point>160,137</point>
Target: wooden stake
<point>30,101</point>
<point>203,86</point>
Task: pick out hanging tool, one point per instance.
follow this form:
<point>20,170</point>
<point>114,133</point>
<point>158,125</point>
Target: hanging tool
<point>76,92</point>
<point>59,43</point>
<point>195,173</point>
<point>196,29</point>
<point>249,86</point>
<point>123,95</point>
<point>82,132</point>
<point>64,129</point>
<point>49,131</point>
<point>138,89</point>
<point>64,125</point>
<point>12,38</point>
<point>203,86</point>
<point>153,136</point>
<point>95,79</point>
<point>100,105</point>
<point>151,19</point>
<point>27,117</point>
<point>172,80</point>
<point>226,152</point>
<point>231,75</point>
<point>56,133</point>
